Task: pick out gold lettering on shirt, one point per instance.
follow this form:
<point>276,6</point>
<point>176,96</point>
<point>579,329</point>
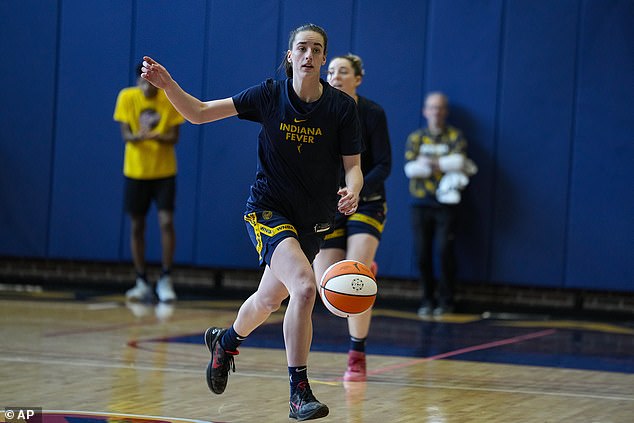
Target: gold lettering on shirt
<point>300,133</point>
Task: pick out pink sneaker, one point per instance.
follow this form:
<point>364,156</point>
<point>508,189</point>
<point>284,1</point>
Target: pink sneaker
<point>356,367</point>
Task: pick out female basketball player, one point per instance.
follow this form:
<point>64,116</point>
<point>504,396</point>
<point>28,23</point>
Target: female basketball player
<point>356,236</point>
<point>308,130</point>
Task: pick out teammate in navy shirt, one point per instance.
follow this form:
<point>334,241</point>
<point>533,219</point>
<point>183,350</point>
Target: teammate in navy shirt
<point>356,236</point>
<point>308,131</point>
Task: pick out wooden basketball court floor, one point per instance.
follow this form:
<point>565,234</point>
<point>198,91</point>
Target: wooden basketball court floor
<point>94,359</point>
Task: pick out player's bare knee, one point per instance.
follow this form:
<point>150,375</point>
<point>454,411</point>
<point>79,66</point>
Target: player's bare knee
<point>305,290</point>
<point>167,229</point>
<point>269,306</point>
<point>138,231</point>
<point>265,303</point>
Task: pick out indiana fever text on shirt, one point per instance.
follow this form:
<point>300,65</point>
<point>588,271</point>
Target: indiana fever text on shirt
<point>299,149</point>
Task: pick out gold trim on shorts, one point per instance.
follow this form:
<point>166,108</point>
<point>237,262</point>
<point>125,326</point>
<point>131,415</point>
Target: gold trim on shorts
<point>337,233</point>
<point>260,229</point>
<point>368,221</point>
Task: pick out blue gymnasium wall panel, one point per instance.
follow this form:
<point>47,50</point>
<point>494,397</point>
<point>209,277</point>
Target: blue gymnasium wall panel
<point>601,222</point>
<point>241,51</point>
<point>173,34</point>
<point>87,180</point>
<point>462,58</point>
<point>389,36</point>
<point>73,160</point>
<point>533,148</point>
<point>28,46</point>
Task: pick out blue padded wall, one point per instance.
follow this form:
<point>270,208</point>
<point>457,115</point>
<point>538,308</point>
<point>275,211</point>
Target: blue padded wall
<point>534,139</point>
<point>87,191</point>
<point>28,39</point>
<point>241,52</point>
<point>389,41</point>
<point>543,91</point>
<point>601,219</point>
<point>464,65</point>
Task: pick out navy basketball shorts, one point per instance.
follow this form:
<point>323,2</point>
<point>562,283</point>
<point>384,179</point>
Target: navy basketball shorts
<point>139,194</point>
<point>368,219</point>
<point>267,229</point>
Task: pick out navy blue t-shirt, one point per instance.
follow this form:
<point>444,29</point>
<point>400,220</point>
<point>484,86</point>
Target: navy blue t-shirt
<point>299,152</point>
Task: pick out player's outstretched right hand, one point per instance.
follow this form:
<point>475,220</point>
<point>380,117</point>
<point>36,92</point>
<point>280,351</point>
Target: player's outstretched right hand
<point>155,73</point>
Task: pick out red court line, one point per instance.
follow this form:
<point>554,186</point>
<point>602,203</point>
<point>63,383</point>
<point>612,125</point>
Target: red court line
<point>508,341</point>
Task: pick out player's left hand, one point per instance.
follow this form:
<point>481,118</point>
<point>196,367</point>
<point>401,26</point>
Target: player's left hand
<point>348,202</point>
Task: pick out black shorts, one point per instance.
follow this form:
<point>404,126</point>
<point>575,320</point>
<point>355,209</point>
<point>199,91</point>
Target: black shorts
<point>139,194</point>
<point>267,229</point>
<point>368,219</point>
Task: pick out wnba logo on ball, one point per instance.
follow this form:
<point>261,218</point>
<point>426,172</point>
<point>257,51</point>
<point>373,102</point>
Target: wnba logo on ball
<point>357,284</point>
<point>348,288</point>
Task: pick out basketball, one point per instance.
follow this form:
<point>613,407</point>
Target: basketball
<point>348,288</point>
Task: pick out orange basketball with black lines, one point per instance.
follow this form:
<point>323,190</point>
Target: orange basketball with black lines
<point>348,288</point>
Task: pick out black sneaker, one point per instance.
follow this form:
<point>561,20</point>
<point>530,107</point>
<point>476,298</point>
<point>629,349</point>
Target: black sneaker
<point>220,363</point>
<point>304,405</point>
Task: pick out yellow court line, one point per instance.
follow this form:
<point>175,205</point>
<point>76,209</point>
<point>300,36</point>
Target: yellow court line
<point>571,324</point>
<point>446,318</point>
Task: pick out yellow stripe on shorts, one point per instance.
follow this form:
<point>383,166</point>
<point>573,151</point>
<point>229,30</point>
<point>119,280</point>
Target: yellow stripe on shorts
<point>260,229</point>
<point>368,221</point>
<point>337,233</point>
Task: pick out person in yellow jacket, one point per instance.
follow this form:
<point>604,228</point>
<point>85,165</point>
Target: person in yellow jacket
<point>150,129</point>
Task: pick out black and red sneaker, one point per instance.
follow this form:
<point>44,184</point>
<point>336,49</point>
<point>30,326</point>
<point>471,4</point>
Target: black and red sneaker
<point>221,361</point>
<point>304,406</point>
